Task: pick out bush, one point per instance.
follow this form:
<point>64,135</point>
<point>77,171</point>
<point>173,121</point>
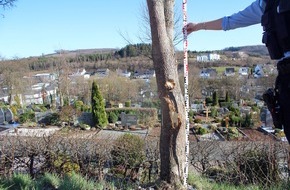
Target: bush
<point>79,105</point>
<point>113,118</point>
<point>28,116</point>
<point>85,126</point>
<point>216,173</point>
<point>128,153</point>
<point>128,104</point>
<point>214,112</point>
<point>20,181</point>
<point>49,181</point>
<point>76,182</point>
<point>258,167</point>
<point>144,114</point>
<point>197,120</point>
<point>64,164</point>
<point>202,131</point>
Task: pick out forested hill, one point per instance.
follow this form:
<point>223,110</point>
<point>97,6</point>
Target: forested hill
<point>256,50</point>
<point>134,56</point>
<point>134,50</point>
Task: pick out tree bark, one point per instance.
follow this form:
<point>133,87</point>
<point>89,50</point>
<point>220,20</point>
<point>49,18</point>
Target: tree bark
<point>172,138</point>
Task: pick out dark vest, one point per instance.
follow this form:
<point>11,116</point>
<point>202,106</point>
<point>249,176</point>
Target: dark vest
<point>276,26</point>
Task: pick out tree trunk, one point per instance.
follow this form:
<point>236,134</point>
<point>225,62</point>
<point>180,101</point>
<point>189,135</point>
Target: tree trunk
<point>172,138</point>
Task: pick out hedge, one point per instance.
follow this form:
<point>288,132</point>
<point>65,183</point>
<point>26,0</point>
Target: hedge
<point>144,114</point>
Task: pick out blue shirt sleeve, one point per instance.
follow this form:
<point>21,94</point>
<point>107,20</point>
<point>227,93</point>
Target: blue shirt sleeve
<point>249,16</point>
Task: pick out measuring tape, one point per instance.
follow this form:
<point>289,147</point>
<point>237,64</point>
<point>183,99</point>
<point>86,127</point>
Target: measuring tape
<point>186,97</point>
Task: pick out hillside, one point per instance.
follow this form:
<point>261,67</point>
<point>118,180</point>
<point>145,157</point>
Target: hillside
<point>81,52</point>
<point>251,50</point>
<point>136,56</point>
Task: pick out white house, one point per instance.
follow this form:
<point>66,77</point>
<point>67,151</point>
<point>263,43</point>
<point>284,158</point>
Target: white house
<point>244,71</point>
<point>230,71</point>
<point>144,74</point>
<point>123,73</point>
<point>208,57</point>
<point>45,76</point>
<point>102,73</point>
<point>80,73</point>
<point>39,92</point>
<point>258,71</point>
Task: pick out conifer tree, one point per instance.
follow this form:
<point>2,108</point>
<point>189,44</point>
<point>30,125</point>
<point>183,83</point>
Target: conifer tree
<point>98,106</point>
<point>215,99</point>
<point>227,97</point>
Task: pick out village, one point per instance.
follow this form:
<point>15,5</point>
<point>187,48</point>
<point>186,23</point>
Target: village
<point>54,110</point>
<point>43,98</point>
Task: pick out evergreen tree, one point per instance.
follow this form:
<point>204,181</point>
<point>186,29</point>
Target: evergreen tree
<point>215,99</point>
<point>98,106</point>
<point>227,97</point>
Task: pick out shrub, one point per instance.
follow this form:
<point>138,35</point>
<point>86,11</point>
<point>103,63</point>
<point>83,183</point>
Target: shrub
<point>201,130</point>
<point>128,153</point>
<point>54,119</point>
<point>144,114</point>
<point>64,164</point>
<point>128,104</point>
<point>21,181</point>
<point>68,113</point>
<point>214,112</point>
<point>216,173</point>
<point>197,120</point>
<point>85,126</point>
<point>79,105</point>
<point>98,106</point>
<point>113,118</point>
<point>28,116</point>
<point>258,166</point>
<point>247,121</point>
<point>76,182</point>
<point>49,181</point>
<point>191,113</point>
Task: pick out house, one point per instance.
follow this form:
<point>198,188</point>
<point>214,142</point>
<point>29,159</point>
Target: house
<point>204,74</point>
<point>123,73</point>
<point>45,77</point>
<point>229,71</point>
<point>5,97</point>
<point>208,73</point>
<point>102,73</point>
<point>144,74</point>
<point>258,71</point>
<point>80,73</point>
<point>208,57</point>
<point>39,93</point>
<point>207,91</point>
<point>244,71</point>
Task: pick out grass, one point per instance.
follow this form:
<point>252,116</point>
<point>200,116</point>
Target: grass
<point>49,181</point>
<point>202,183</point>
<point>76,181</point>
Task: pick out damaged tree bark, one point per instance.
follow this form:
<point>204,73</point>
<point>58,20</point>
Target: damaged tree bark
<point>172,138</point>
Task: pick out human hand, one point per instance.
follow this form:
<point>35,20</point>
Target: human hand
<point>191,27</point>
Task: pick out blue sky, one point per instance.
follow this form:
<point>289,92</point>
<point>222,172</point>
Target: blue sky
<point>33,28</point>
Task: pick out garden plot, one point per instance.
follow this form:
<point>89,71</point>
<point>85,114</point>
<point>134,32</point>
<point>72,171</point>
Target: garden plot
<point>278,134</point>
<point>30,132</point>
<point>112,135</point>
<point>206,132</point>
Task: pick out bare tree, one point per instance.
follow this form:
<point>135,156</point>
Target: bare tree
<point>63,70</point>
<point>172,137</point>
<point>145,27</point>
<point>7,3</point>
<point>11,79</point>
